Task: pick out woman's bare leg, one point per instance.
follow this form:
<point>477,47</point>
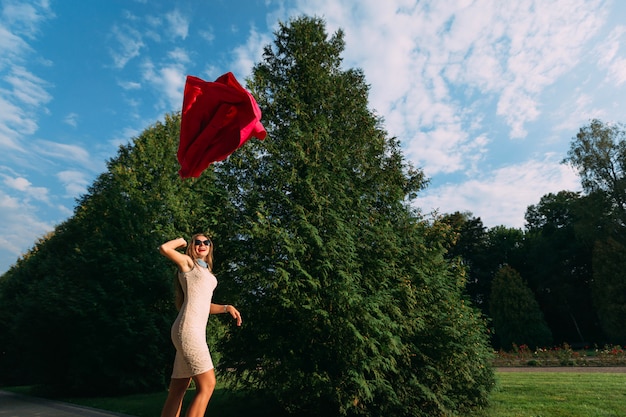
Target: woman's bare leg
<point>205,385</point>
<point>175,395</point>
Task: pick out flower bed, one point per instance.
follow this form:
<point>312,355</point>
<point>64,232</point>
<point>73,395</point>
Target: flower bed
<point>561,356</point>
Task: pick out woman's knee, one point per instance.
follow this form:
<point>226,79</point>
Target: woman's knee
<point>179,385</point>
<point>206,382</point>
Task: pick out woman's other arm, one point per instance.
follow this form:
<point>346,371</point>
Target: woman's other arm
<point>222,309</point>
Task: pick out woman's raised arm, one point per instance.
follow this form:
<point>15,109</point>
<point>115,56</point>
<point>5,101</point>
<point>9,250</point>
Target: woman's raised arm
<point>168,249</point>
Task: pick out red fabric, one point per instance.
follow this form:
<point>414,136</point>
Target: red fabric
<point>217,118</point>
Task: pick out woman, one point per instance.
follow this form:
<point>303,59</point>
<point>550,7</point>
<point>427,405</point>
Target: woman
<point>194,291</point>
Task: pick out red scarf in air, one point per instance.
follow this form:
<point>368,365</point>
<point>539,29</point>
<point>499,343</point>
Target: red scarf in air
<point>217,118</point>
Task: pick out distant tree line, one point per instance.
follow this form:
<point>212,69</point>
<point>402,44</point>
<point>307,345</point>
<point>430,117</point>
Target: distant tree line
<point>350,305</point>
<point>562,278</point>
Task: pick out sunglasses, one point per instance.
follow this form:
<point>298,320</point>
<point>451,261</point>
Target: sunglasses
<point>202,242</point>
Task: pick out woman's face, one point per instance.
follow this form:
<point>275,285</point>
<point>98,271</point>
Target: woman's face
<point>201,246</point>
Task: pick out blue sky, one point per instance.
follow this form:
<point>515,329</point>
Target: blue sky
<point>485,95</point>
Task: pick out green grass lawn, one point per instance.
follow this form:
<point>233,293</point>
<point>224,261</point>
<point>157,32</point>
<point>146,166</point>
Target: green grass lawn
<point>558,394</point>
<point>518,394</point>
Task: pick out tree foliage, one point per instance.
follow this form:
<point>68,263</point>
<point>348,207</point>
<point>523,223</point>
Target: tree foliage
<point>599,155</point>
<point>482,252</point>
<point>92,304</point>
<point>609,288</point>
<point>468,246</point>
<point>515,312</point>
<point>569,251</point>
<point>559,265</point>
<point>347,293</point>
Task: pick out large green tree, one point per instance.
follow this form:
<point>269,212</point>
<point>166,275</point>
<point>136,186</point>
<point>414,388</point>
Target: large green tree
<point>598,153</point>
<point>91,305</point>
<point>350,306</point>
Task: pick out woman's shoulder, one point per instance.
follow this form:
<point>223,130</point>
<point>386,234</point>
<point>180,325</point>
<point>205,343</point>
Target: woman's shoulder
<point>186,265</point>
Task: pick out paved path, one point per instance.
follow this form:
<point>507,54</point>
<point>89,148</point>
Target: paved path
<point>16,405</point>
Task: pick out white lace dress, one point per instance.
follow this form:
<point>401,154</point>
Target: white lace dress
<point>189,328</point>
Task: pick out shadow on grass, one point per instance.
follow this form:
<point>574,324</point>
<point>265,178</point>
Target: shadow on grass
<point>229,403</point>
<point>225,402</point>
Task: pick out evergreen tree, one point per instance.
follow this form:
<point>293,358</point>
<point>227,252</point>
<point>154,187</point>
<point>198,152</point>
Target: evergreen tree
<point>516,315</point>
<point>350,307</point>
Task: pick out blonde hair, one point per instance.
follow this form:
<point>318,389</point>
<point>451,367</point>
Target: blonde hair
<point>180,294</point>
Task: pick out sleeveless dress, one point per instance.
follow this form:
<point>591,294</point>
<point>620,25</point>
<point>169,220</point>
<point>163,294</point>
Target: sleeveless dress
<point>189,329</point>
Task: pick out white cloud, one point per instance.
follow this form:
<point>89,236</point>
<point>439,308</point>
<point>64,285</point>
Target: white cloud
<point>22,93</point>
<point>427,60</point>
<point>610,59</point>
<point>179,56</point>
<point>245,56</point>
<point>25,18</point>
<point>178,24</point>
<point>17,183</point>
<point>8,202</point>
<point>129,44</point>
<point>12,47</point>
<point>20,227</point>
<point>26,188</point>
<point>207,35</point>
<point>579,110</point>
<point>454,79</point>
<point>20,213</point>
<point>27,88</point>
<point>65,152</point>
<point>165,77</point>
<point>501,197</point>
<point>14,122</point>
<point>71,119</point>
<point>125,135</point>
<point>129,85</point>
<point>168,81</point>
<point>75,182</point>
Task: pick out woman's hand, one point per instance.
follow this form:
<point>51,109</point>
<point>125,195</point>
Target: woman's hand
<point>235,313</point>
